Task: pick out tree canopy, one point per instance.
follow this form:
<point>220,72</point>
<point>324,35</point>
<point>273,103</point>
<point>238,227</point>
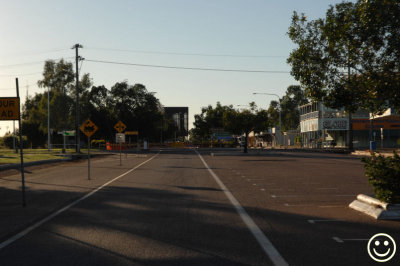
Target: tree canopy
<point>350,58</point>
<point>139,109</point>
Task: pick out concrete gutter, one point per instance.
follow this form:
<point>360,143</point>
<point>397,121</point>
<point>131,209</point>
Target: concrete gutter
<point>378,209</point>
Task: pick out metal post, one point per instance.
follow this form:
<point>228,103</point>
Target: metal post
<point>89,159</point>
<point>48,120</point>
<point>120,154</point>
<point>14,142</point>
<point>77,136</point>
<point>21,149</point>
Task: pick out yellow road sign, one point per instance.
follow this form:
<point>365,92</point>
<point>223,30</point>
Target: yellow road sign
<point>9,108</point>
<point>120,127</point>
<point>89,128</point>
<point>131,132</point>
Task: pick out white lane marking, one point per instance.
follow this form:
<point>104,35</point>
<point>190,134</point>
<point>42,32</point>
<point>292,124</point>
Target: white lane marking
<point>284,196</point>
<point>264,242</point>
<point>297,205</point>
<point>339,240</point>
<point>263,189</point>
<point>54,214</point>
<point>318,221</point>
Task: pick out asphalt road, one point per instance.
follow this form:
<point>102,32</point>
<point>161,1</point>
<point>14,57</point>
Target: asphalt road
<point>171,209</point>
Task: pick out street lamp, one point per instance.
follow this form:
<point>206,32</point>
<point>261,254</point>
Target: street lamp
<point>279,102</point>
<point>280,108</point>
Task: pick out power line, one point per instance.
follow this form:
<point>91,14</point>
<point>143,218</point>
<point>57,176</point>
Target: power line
<point>183,54</point>
<point>33,63</point>
<point>37,52</point>
<point>189,68</point>
<point>20,75</point>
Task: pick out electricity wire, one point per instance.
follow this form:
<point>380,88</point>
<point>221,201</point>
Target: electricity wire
<point>183,54</point>
<point>189,68</point>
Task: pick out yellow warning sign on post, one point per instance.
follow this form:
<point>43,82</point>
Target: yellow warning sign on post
<point>89,128</point>
<point>9,108</point>
<point>120,127</point>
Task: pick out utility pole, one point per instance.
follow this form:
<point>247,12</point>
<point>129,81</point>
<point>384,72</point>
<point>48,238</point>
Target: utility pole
<point>77,136</point>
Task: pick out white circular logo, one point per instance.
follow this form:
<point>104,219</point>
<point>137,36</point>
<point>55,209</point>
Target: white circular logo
<point>381,247</point>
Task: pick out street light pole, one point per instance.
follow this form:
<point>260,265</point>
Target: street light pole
<point>280,107</point>
<point>279,102</point>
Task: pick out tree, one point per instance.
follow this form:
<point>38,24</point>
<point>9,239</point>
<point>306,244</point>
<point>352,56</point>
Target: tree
<point>245,121</point>
<point>58,78</point>
<point>210,118</point>
<point>137,108</point>
<point>345,60</point>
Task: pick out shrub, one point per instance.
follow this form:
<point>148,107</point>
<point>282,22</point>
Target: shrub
<point>384,175</point>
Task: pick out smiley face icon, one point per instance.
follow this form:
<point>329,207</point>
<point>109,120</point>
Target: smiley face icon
<point>381,247</point>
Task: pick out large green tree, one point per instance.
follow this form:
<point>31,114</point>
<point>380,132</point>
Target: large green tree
<point>137,108</point>
<point>245,121</point>
<point>210,119</point>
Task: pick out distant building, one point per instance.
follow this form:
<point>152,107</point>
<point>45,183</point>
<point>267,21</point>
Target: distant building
<point>180,115</point>
<point>321,126</point>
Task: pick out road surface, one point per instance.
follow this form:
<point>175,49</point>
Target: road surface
<point>183,207</point>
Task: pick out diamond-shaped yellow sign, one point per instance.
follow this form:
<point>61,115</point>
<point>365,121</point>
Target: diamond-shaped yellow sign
<point>89,128</point>
<point>120,127</point>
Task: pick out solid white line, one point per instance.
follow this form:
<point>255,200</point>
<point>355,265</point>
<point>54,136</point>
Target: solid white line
<point>54,214</point>
<point>264,242</point>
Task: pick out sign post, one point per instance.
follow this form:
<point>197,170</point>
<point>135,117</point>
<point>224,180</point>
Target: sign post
<point>120,127</point>
<point>9,110</point>
<point>88,128</point>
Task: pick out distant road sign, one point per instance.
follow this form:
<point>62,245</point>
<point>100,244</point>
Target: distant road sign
<point>9,108</point>
<point>131,132</point>
<point>120,127</point>
<point>89,128</point>
<point>120,138</point>
<point>68,133</point>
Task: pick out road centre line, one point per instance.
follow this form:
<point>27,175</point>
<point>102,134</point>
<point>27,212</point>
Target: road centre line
<point>54,214</point>
<point>264,242</point>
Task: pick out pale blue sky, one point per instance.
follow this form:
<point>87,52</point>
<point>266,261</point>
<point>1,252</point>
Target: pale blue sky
<point>34,31</point>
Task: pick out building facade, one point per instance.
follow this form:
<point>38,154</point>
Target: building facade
<point>321,127</point>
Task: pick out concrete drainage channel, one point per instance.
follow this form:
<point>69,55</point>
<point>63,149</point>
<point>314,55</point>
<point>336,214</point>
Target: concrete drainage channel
<point>378,209</point>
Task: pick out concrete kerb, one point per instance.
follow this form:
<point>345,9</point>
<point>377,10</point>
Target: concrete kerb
<point>373,207</point>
